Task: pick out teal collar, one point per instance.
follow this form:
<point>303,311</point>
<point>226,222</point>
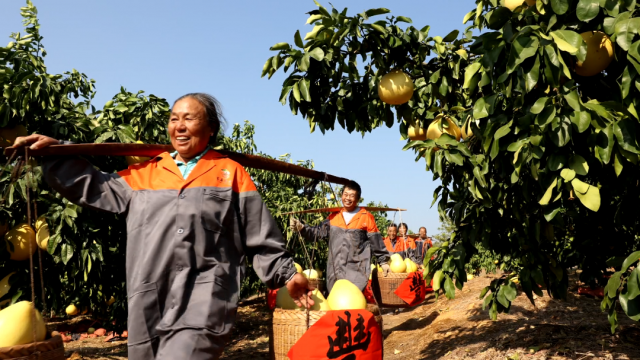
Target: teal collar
<point>185,169</point>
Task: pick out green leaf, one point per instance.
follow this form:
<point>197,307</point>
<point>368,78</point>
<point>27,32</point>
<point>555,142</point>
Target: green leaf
<point>581,119</point>
<point>483,293</point>
<point>379,28</point>
<point>522,48</point>
<point>404,19</point>
<point>634,257</point>
<point>502,131</point>
<point>471,70</point>
<point>487,301</point>
<point>633,284</point>
<point>560,6</point>
<point>304,89</point>
<point>591,200</point>
<point>587,9</point>
<point>437,280</point>
<point>605,141</point>
<point>449,288</point>
<point>556,162</point>
<point>630,307</point>
<point>547,195</point>
<point>280,46</point>
<point>296,91</point>
<point>567,40</point>
<point>298,39</point>
<point>502,299</point>
<point>451,36</point>
<point>580,186</point>
<point>573,100</point>
<point>578,164</point>
<point>317,54</point>
<point>613,284</point>
<point>568,174</point>
<point>539,105</point>
<point>304,62</point>
<point>375,12</point>
<point>617,163</point>
<point>511,291</point>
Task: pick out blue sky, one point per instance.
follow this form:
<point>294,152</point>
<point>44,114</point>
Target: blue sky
<point>169,48</point>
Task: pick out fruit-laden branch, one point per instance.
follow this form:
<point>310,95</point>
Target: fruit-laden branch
<point>114,149</point>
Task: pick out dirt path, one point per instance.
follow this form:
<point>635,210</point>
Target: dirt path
<point>454,329</point>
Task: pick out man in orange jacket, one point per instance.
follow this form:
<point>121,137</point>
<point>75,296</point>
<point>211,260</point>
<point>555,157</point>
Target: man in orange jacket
<point>423,243</point>
<point>394,244</point>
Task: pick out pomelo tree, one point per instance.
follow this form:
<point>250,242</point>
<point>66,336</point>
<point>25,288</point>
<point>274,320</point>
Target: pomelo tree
<point>545,94</point>
<point>84,261</point>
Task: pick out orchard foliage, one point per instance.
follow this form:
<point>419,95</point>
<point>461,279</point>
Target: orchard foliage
<point>549,180</point>
<point>85,264</point>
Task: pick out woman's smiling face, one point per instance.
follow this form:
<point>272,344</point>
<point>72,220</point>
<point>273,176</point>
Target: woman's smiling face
<point>189,128</point>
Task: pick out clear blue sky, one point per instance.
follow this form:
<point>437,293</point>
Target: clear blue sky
<point>169,48</point>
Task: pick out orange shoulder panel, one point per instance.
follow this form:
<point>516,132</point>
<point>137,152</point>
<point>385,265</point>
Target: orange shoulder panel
<point>222,172</point>
<point>372,227</point>
<point>149,175</point>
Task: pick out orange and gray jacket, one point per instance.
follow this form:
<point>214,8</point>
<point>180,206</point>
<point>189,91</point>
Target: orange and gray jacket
<point>187,240</point>
<point>350,246</point>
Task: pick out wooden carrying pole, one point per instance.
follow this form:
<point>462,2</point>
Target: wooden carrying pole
<point>336,209</point>
<point>115,149</point>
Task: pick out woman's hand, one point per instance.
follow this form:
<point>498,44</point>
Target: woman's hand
<point>36,141</point>
<point>299,291</point>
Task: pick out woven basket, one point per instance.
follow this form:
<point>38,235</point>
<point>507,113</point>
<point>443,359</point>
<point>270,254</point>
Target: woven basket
<point>288,326</point>
<point>50,349</point>
<point>384,289</point>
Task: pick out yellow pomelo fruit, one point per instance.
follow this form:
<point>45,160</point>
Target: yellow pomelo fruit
<point>16,325</point>
<point>298,268</point>
<point>4,288</point>
<point>398,266</point>
<point>42,220</point>
<point>42,237</point>
<point>411,266</point>
<point>395,88</point>
<point>319,302</point>
<point>310,274</point>
<point>20,236</point>
<point>449,127</point>
<point>71,310</point>
<point>137,159</point>
<point>416,133</point>
<point>513,4</point>
<point>599,53</point>
<point>396,256</point>
<point>284,300</point>
<point>469,276</point>
<point>346,296</point>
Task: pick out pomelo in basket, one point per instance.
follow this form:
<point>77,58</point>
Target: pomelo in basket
<point>398,266</point>
<point>16,325</point>
<point>346,296</point>
<point>298,268</point>
<point>310,274</point>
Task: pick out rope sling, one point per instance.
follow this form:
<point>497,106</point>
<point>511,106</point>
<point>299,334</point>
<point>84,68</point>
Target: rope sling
<point>27,164</point>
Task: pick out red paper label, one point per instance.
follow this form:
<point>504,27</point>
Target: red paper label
<point>342,335</point>
<point>413,289</point>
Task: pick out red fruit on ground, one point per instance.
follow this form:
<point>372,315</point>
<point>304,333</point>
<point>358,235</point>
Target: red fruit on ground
<point>125,334</point>
<point>100,332</point>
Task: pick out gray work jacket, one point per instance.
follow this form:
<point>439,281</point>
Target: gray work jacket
<point>350,246</point>
<point>187,240</point>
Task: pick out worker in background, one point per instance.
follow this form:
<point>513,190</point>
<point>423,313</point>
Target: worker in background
<point>353,235</point>
<point>423,243</point>
<point>396,244</point>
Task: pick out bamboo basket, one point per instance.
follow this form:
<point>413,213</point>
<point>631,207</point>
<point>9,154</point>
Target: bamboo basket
<point>50,349</point>
<point>288,326</point>
<point>384,289</point>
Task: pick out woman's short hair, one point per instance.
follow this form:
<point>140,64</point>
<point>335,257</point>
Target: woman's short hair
<point>404,225</point>
<point>213,109</point>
